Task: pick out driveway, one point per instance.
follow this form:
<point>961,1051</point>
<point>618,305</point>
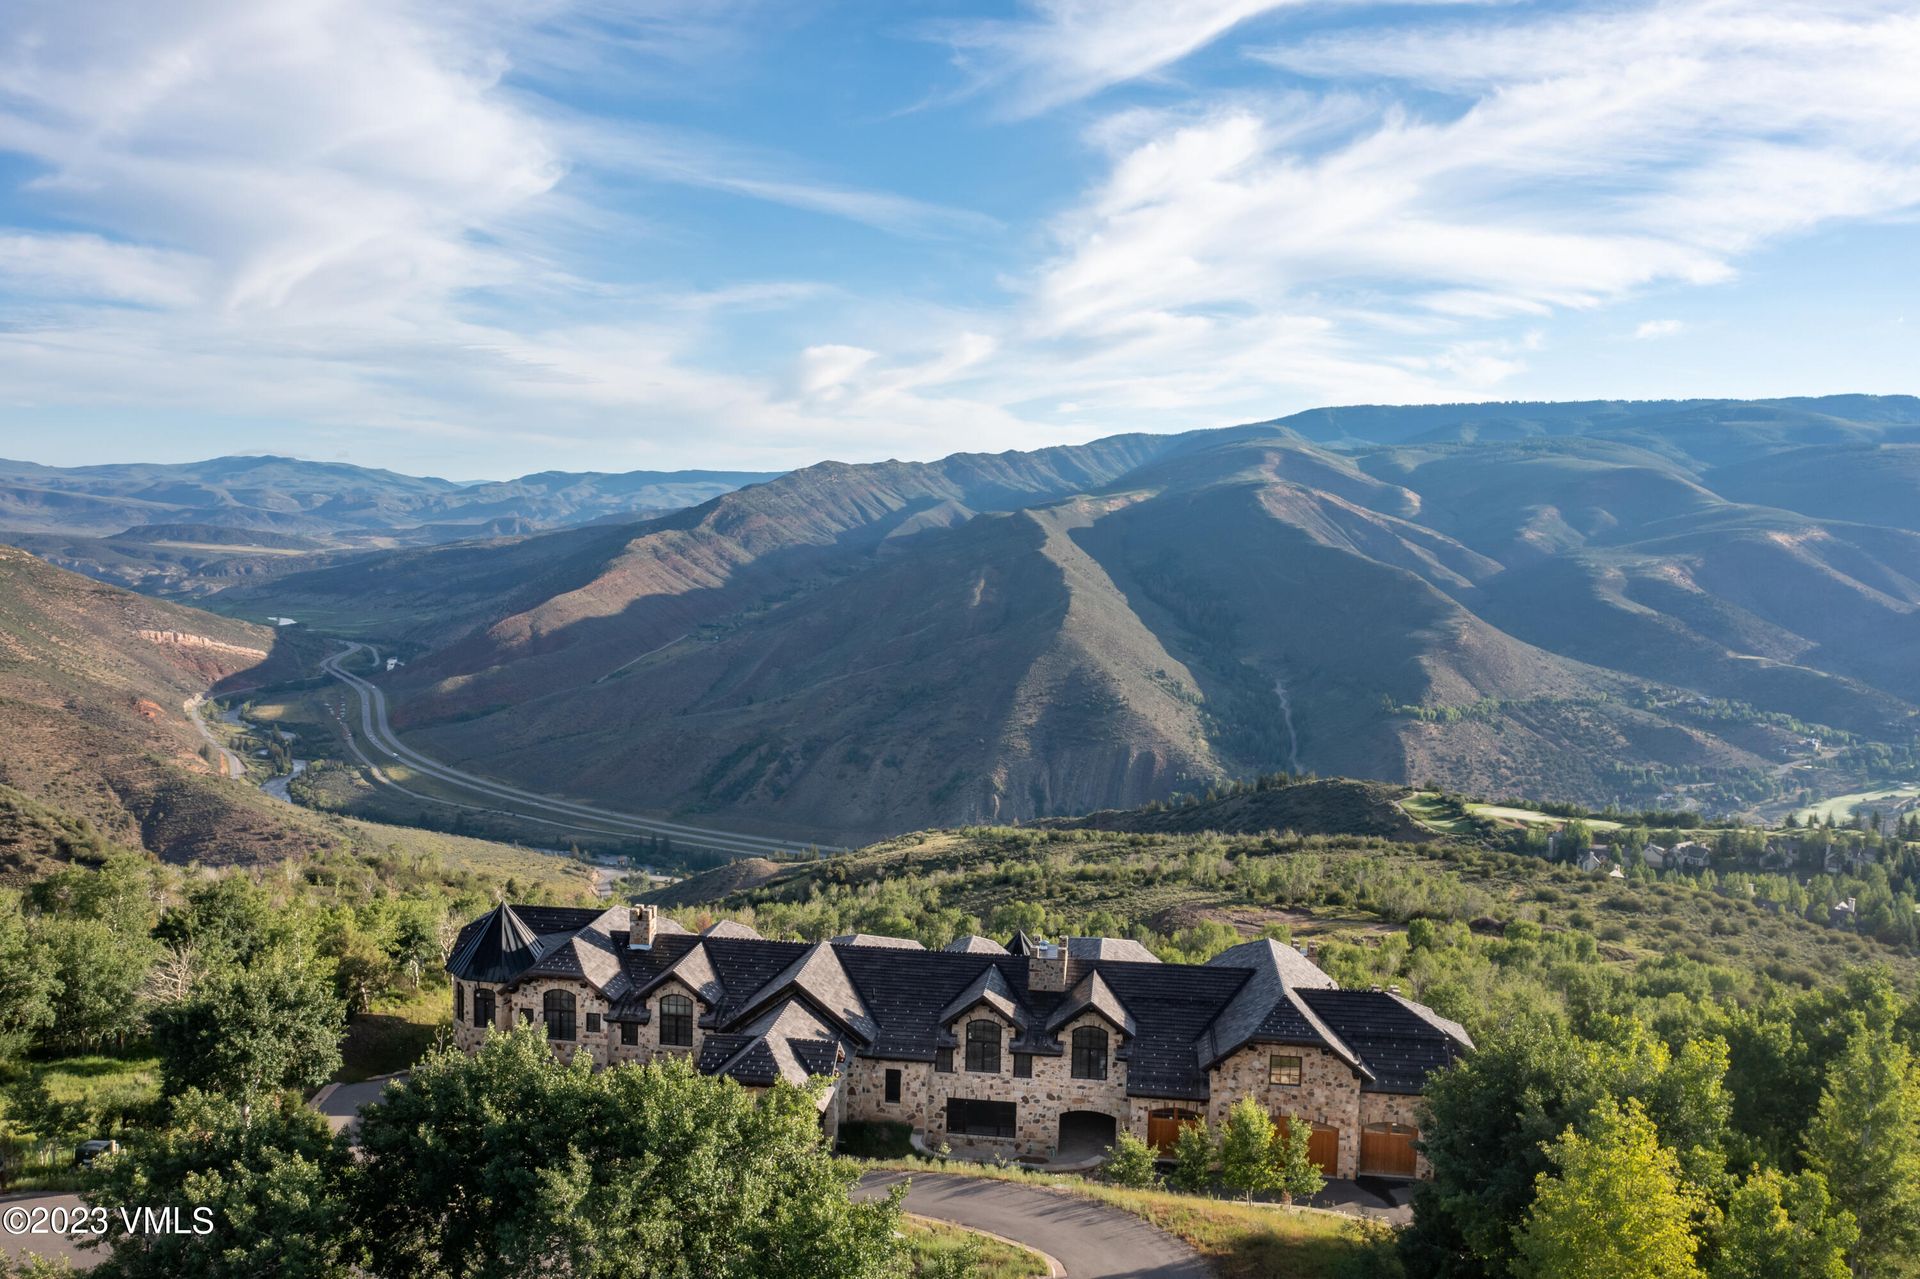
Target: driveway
<point>15,1242</point>
<point>342,1103</point>
<point>1088,1239</point>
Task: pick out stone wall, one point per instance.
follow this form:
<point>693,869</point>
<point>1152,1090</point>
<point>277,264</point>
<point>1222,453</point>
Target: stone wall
<point>1397,1108</point>
<point>1328,1092</point>
<point>1038,1102</point>
<point>648,1045</point>
<point>528,1003</point>
<point>865,1090</point>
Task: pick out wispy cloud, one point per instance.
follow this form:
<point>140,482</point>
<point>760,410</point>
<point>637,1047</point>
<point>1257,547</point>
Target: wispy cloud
<point>1652,330</point>
<point>1068,49</point>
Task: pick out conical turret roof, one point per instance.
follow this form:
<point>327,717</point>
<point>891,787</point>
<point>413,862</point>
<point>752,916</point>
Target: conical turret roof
<point>499,948</point>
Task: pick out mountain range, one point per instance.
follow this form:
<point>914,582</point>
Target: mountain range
<point>195,527</point>
<point>1712,603</point>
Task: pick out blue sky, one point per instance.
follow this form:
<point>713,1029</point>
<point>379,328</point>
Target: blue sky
<point>483,239</point>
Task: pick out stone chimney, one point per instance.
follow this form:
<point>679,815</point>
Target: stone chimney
<point>1047,967</point>
<point>645,919</point>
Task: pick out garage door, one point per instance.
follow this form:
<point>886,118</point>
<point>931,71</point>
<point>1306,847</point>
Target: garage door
<point>1386,1150</point>
<point>1324,1149</point>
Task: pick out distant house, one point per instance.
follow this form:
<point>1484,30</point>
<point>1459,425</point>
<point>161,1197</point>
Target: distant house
<point>1845,859</point>
<point>1031,1049</point>
<point>1593,860</point>
<point>1844,914</point>
<point>1655,856</point>
<point>1689,854</point>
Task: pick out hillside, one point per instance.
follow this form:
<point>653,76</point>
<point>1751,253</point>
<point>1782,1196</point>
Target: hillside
<point>97,748</point>
<point>1328,806</point>
<point>1189,896</point>
<point>1601,603</point>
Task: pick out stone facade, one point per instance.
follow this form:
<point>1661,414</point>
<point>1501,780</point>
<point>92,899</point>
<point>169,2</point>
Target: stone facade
<point>1039,1101</point>
<point>1328,1094</point>
<point>1355,1079</point>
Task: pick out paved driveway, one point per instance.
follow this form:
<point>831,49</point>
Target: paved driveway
<point>17,1243</point>
<point>1088,1239</point>
<point>342,1103</point>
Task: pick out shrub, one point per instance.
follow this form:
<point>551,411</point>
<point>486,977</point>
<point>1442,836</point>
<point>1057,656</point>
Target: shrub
<point>1130,1162</point>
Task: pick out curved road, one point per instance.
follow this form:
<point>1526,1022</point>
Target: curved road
<point>380,735</point>
<point>230,763</point>
<point>1090,1240</point>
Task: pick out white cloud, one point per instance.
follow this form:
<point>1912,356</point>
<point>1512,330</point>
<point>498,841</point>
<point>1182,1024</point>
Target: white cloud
<point>1648,330</point>
<point>1581,160</point>
<point>1069,49</point>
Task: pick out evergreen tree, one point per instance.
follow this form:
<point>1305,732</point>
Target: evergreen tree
<point>1615,1208</point>
<point>1865,1140</point>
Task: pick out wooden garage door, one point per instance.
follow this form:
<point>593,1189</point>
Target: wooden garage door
<point>1324,1149</point>
<point>1163,1127</point>
<point>1386,1150</point>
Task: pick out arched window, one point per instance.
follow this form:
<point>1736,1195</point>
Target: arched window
<point>482,1006</point>
<point>1089,1053</point>
<point>983,1047</point>
<point>676,1021</point>
<point>558,1009</point>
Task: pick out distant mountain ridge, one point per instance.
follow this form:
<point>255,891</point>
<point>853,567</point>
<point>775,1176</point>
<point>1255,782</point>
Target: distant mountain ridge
<point>1689,601</point>
<point>175,528</point>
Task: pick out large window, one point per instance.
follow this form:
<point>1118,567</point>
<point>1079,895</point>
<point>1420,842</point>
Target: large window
<point>1283,1069</point>
<point>893,1087</point>
<point>557,1008</point>
<point>943,1060</point>
<point>482,1006</point>
<point>1089,1053</point>
<point>676,1021</point>
<point>983,1047</point>
<point>1023,1065</point>
<point>629,1033</point>
<point>980,1118</point>
<point>593,1023</point>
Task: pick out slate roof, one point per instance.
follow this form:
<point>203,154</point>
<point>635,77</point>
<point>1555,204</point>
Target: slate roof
<point>1092,992</point>
<point>774,1006</point>
<point>975,944</point>
<point>1269,1008</point>
<point>818,976</point>
<point>1092,949</point>
<point>989,988</point>
<point>1401,1042</point>
<point>496,947</point>
<point>873,939</point>
<point>790,1041</point>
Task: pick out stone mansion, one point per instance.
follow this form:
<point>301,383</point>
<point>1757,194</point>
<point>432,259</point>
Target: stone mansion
<point>1030,1049</point>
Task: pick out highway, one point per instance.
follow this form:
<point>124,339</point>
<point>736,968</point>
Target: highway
<point>514,802</point>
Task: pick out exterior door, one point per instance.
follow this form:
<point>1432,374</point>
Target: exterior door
<point>1163,1127</point>
<point>1386,1150</point>
<point>1324,1149</point>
